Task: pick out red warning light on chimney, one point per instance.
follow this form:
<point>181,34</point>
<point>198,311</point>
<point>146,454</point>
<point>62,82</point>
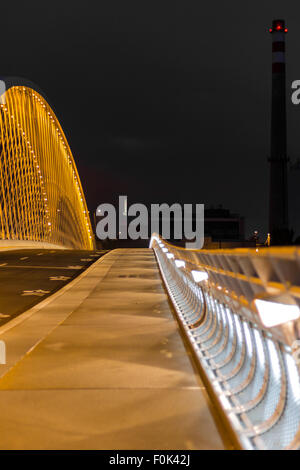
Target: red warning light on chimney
<point>278,26</point>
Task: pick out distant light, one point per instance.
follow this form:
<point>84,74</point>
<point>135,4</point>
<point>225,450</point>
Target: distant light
<point>275,313</point>
<point>278,27</point>
<point>286,30</point>
<point>270,30</point>
<point>180,263</point>
<point>170,255</point>
<point>199,276</point>
<point>165,250</point>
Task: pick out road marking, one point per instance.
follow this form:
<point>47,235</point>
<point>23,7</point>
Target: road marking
<point>38,292</point>
<point>75,267</point>
<point>3,264</point>
<point>59,278</point>
<point>40,254</point>
<point>17,320</point>
<point>24,257</point>
<point>86,259</point>
<point>4,316</point>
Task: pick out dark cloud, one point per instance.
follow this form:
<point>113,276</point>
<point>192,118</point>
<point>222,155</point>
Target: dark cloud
<point>167,100</point>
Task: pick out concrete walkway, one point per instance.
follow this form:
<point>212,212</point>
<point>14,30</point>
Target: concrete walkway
<point>102,365</point>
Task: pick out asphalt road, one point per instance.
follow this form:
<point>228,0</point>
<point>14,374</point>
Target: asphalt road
<point>29,276</point>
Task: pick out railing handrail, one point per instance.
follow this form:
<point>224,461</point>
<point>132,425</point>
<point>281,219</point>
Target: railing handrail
<point>243,330</point>
<point>260,274</point>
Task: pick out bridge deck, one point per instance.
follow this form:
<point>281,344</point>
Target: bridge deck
<point>106,368</point>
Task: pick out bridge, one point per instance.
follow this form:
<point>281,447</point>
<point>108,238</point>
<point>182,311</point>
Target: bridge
<point>41,197</point>
<point>158,348</point>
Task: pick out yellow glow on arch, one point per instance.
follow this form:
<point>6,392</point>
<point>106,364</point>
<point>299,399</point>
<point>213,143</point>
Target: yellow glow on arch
<point>41,197</point>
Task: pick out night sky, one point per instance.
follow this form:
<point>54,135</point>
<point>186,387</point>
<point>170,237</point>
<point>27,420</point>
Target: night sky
<point>165,101</point>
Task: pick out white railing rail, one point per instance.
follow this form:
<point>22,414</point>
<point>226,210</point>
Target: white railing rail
<point>240,310</point>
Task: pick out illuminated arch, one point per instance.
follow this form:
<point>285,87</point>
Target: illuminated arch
<point>41,197</point>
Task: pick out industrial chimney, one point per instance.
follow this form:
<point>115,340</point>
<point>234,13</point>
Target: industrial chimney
<point>278,199</point>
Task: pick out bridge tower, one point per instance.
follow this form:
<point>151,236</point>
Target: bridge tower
<point>278,197</point>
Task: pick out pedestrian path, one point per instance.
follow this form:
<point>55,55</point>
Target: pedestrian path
<point>102,365</point>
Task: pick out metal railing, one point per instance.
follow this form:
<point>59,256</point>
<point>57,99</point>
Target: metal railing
<point>240,311</point>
